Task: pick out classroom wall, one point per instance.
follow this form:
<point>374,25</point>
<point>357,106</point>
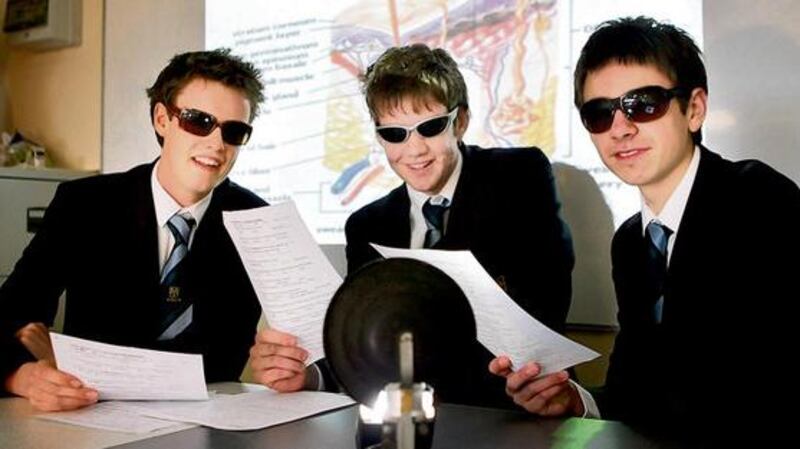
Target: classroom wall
<point>752,53</point>
<point>54,97</point>
<point>140,38</point>
<point>4,106</point>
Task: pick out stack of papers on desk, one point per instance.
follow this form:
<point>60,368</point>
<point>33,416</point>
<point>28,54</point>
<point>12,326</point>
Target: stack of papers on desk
<point>245,411</point>
<point>117,417</point>
<point>166,391</point>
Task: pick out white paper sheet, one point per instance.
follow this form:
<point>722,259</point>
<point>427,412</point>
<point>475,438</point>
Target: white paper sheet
<point>247,411</point>
<point>293,279</point>
<point>502,325</point>
<point>116,416</point>
<point>120,372</point>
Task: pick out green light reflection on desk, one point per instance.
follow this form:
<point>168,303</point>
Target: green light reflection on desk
<point>577,433</point>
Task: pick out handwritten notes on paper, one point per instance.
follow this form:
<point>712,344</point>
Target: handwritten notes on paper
<point>290,274</point>
<point>125,373</point>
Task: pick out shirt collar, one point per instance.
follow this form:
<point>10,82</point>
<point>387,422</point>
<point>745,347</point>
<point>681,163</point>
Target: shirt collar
<point>166,206</point>
<point>672,212</point>
<point>419,198</point>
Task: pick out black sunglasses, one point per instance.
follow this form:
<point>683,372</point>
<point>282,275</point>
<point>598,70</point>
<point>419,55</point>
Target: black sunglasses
<point>430,127</point>
<point>202,124</point>
<point>640,105</point>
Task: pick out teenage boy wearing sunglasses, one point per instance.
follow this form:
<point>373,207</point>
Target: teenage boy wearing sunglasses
<point>107,241</point>
<point>719,278</point>
<point>501,205</point>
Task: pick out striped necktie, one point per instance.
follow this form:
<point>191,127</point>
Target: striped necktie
<point>657,236</point>
<point>175,305</point>
<point>434,219</point>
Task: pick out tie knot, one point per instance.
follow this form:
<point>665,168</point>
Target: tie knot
<point>181,227</point>
<point>433,210</point>
<point>659,235</point>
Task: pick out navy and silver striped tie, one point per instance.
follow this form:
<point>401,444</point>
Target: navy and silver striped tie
<point>657,236</point>
<point>176,307</point>
<point>434,219</point>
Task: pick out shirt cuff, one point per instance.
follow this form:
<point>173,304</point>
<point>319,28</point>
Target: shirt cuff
<point>315,381</point>
<point>590,409</point>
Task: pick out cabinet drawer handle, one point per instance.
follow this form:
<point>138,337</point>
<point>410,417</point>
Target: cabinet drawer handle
<point>35,217</point>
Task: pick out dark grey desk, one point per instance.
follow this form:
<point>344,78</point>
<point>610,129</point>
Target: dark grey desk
<point>457,427</point>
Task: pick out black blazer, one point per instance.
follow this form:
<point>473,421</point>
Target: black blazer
<point>98,241</point>
<point>504,210</point>
<point>730,294</point>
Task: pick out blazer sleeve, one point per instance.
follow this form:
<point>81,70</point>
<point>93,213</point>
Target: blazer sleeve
<point>608,397</point>
<point>541,279</point>
<point>627,389</point>
<point>358,250</point>
<point>31,292</point>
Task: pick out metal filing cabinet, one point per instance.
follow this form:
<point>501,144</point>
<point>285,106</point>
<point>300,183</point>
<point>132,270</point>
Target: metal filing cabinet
<point>24,195</point>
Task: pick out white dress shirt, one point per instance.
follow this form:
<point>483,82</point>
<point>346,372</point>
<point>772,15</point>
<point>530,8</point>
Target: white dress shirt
<point>166,207</point>
<point>672,213</point>
<point>416,219</point>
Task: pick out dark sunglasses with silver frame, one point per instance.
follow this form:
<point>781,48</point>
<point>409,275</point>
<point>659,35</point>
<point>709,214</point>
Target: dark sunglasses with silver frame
<point>640,105</point>
<point>200,123</point>
<point>430,127</point>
